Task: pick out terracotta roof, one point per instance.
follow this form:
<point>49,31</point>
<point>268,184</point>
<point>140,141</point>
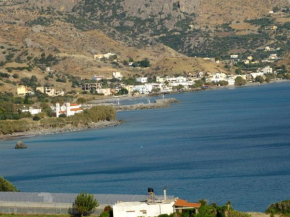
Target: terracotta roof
<point>76,109</point>
<point>74,104</point>
<point>62,112</point>
<point>184,203</point>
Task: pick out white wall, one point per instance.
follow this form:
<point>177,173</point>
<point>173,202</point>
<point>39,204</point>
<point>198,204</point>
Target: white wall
<point>135,209</point>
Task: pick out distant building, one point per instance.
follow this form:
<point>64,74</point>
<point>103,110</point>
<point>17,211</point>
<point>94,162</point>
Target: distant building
<point>23,91</point>
<point>69,109</point>
<point>273,57</point>
<point>117,75</point>
<point>142,79</point>
<point>97,78</point>
<point>31,110</point>
<point>105,56</point>
<point>256,74</point>
<point>267,70</point>
<point>234,56</point>
<point>50,91</point>
<point>90,86</point>
<point>105,91</point>
<point>217,77</point>
<point>160,80</point>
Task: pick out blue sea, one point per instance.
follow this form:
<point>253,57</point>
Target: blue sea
<point>222,145</point>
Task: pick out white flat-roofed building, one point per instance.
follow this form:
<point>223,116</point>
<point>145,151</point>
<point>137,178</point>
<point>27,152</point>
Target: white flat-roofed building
<point>117,75</point>
<point>31,110</point>
<point>135,209</point>
<point>142,79</point>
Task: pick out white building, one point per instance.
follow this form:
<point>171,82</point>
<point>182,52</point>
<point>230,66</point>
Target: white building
<point>160,80</point>
<point>142,89</point>
<point>97,78</point>
<point>234,56</point>
<point>267,70</point>
<point>273,57</point>
<point>117,75</point>
<point>135,209</point>
<point>217,77</point>
<point>179,79</point>
<point>153,208</point>
<point>142,80</point>
<point>69,109</point>
<point>256,74</point>
<point>31,110</point>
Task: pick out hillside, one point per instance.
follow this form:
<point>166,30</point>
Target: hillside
<point>173,35</point>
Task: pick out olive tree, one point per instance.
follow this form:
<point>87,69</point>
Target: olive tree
<point>85,203</point>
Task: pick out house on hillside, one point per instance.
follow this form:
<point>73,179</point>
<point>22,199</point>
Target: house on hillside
<point>142,80</point>
<point>31,110</point>
<point>117,75</point>
<point>266,70</point>
<point>50,91</point>
<point>90,86</point>
<point>97,78</point>
<point>105,56</point>
<point>234,56</point>
<point>105,91</point>
<point>23,91</point>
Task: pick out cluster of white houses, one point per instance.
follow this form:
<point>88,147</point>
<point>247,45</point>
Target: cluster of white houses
<point>167,84</point>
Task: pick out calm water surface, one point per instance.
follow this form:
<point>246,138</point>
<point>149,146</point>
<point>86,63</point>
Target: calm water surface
<point>220,145</point>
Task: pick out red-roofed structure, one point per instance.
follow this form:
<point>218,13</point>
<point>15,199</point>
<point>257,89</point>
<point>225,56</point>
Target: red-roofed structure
<point>181,205</point>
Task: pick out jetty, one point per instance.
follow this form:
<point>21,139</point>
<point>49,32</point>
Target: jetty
<point>159,103</point>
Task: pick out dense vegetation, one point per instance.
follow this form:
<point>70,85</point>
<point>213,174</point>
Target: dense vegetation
<point>210,210</point>
<point>5,185</point>
<point>282,207</point>
<point>93,115</point>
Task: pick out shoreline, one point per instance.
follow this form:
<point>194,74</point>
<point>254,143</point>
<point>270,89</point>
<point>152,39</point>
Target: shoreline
<point>111,99</point>
<point>66,129</point>
<point>160,103</point>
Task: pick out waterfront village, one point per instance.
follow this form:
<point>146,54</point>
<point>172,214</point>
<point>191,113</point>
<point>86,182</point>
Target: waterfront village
<point>118,85</point>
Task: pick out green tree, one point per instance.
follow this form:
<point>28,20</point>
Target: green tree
<point>259,79</point>
<point>85,203</point>
<point>238,71</point>
<point>5,185</point>
<point>123,91</point>
<point>239,81</point>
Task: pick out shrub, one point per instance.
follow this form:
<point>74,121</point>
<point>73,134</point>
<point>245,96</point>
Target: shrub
<point>85,203</point>
<point>259,79</point>
<point>62,115</point>
<point>15,76</point>
<point>36,118</point>
<point>240,81</point>
<point>282,207</point>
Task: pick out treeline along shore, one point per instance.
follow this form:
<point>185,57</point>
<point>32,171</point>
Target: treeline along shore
<point>99,116</point>
<point>95,117</point>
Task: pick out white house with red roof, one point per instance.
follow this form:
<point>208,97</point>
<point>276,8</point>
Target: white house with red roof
<point>69,109</point>
<point>153,206</point>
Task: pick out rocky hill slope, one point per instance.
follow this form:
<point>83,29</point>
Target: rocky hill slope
<point>65,34</point>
